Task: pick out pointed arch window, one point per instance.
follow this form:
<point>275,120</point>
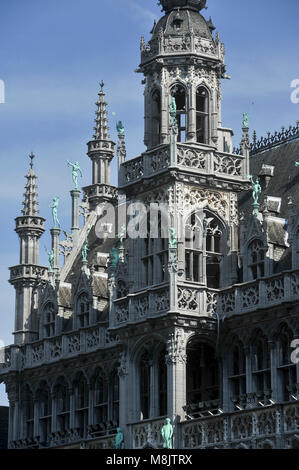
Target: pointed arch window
<point>287,369</point>
<point>203,240</point>
<point>29,413</point>
<point>81,404</point>
<point>162,383</point>
<point>49,316</point>
<point>202,115</point>
<point>238,374</point>
<point>83,310</point>
<point>45,413</point>
<point>62,397</point>
<point>145,384</point>
<point>202,376</point>
<point>261,367</point>
<point>179,93</point>
<point>115,396</point>
<point>101,394</point>
<point>256,259</point>
<point>156,117</point>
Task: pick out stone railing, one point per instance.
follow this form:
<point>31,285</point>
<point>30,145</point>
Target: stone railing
<point>194,158</point>
<point>136,307</point>
<point>272,140</point>
<point>254,295</point>
<point>197,300</point>
<point>28,270</point>
<point>51,350</point>
<point>147,433</point>
<point>269,427</point>
<point>69,439</point>
<point>186,43</point>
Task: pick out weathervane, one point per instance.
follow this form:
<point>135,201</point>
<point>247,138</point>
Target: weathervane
<point>102,84</point>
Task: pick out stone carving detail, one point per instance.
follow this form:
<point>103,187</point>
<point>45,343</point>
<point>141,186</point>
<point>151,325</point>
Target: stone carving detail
<point>73,343</point>
<point>93,338</point>
<point>177,44</point>
<point>266,422</point>
<point>214,430</point>
<point>275,290</point>
<point>122,290</point>
<point>212,301</point>
<point>160,160</point>
<point>250,296</point>
<point>204,46</point>
<point>134,169</point>
<point>176,348</point>
<point>199,197</point>
<point>227,302</point>
<point>162,301</point>
<point>228,165</point>
<point>55,348</point>
<point>148,433</point>
<point>192,158</point>
<point>193,435</point>
<point>121,312</point>
<point>66,245</point>
<point>291,418</point>
<point>37,353</point>
<point>188,299</point>
<point>141,307</point>
<point>295,284</point>
<point>242,426</point>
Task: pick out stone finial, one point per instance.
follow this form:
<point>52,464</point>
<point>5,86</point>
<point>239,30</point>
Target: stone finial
<point>30,196</point>
<point>101,128</point>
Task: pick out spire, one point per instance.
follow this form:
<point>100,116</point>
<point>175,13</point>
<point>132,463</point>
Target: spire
<point>30,196</point>
<point>101,128</point>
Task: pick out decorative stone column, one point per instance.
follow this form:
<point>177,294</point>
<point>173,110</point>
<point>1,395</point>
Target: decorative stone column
<point>123,398</point>
<point>176,360</point>
<point>75,194</point>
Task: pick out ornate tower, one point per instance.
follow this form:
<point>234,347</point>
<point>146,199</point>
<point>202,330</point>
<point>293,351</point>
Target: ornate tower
<point>101,152</point>
<point>185,185</point>
<point>184,60</point>
<point>25,276</point>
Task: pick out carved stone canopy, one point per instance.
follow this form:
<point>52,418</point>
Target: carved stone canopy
<point>168,5</point>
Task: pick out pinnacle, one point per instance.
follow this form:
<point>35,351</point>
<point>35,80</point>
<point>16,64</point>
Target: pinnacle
<point>30,202</point>
<point>101,121</point>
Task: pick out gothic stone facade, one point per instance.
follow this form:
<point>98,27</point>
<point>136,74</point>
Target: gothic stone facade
<point>198,329</point>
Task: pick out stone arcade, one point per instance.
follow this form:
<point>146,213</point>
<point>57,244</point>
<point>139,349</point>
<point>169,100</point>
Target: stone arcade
<point>198,330</point>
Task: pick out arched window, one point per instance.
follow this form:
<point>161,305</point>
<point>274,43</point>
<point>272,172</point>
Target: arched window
<point>62,397</point>
<point>115,396</point>
<point>238,374</point>
<point>156,117</point>
<point>45,413</point>
<point>203,238</point>
<point>81,404</point>
<point>202,115</point>
<point>29,413</point>
<point>179,93</point>
<point>155,251</point>
<point>261,367</point>
<point>83,310</point>
<point>162,383</point>
<point>145,385</point>
<point>287,369</point>
<point>202,376</point>
<point>49,315</point>
<point>101,396</point>
<point>256,259</point>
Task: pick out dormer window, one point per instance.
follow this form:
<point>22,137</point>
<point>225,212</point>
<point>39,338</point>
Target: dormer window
<point>177,24</point>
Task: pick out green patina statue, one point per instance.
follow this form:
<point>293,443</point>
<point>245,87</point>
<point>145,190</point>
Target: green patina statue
<point>113,257</point>
<point>54,207</point>
<point>75,170</point>
<point>51,256</point>
<point>296,164</point>
<point>167,433</point>
<point>245,120</point>
<point>85,248</point>
<point>173,110</point>
<point>256,189</point>
<point>120,128</point>
<point>119,440</point>
<point>122,236</point>
<point>172,240</point>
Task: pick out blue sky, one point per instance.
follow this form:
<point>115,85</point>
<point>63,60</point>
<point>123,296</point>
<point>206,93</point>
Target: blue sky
<point>54,53</point>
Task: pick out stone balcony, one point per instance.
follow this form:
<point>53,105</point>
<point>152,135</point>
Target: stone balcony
<point>194,158</point>
<point>52,350</point>
<point>27,271</point>
<point>260,294</point>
